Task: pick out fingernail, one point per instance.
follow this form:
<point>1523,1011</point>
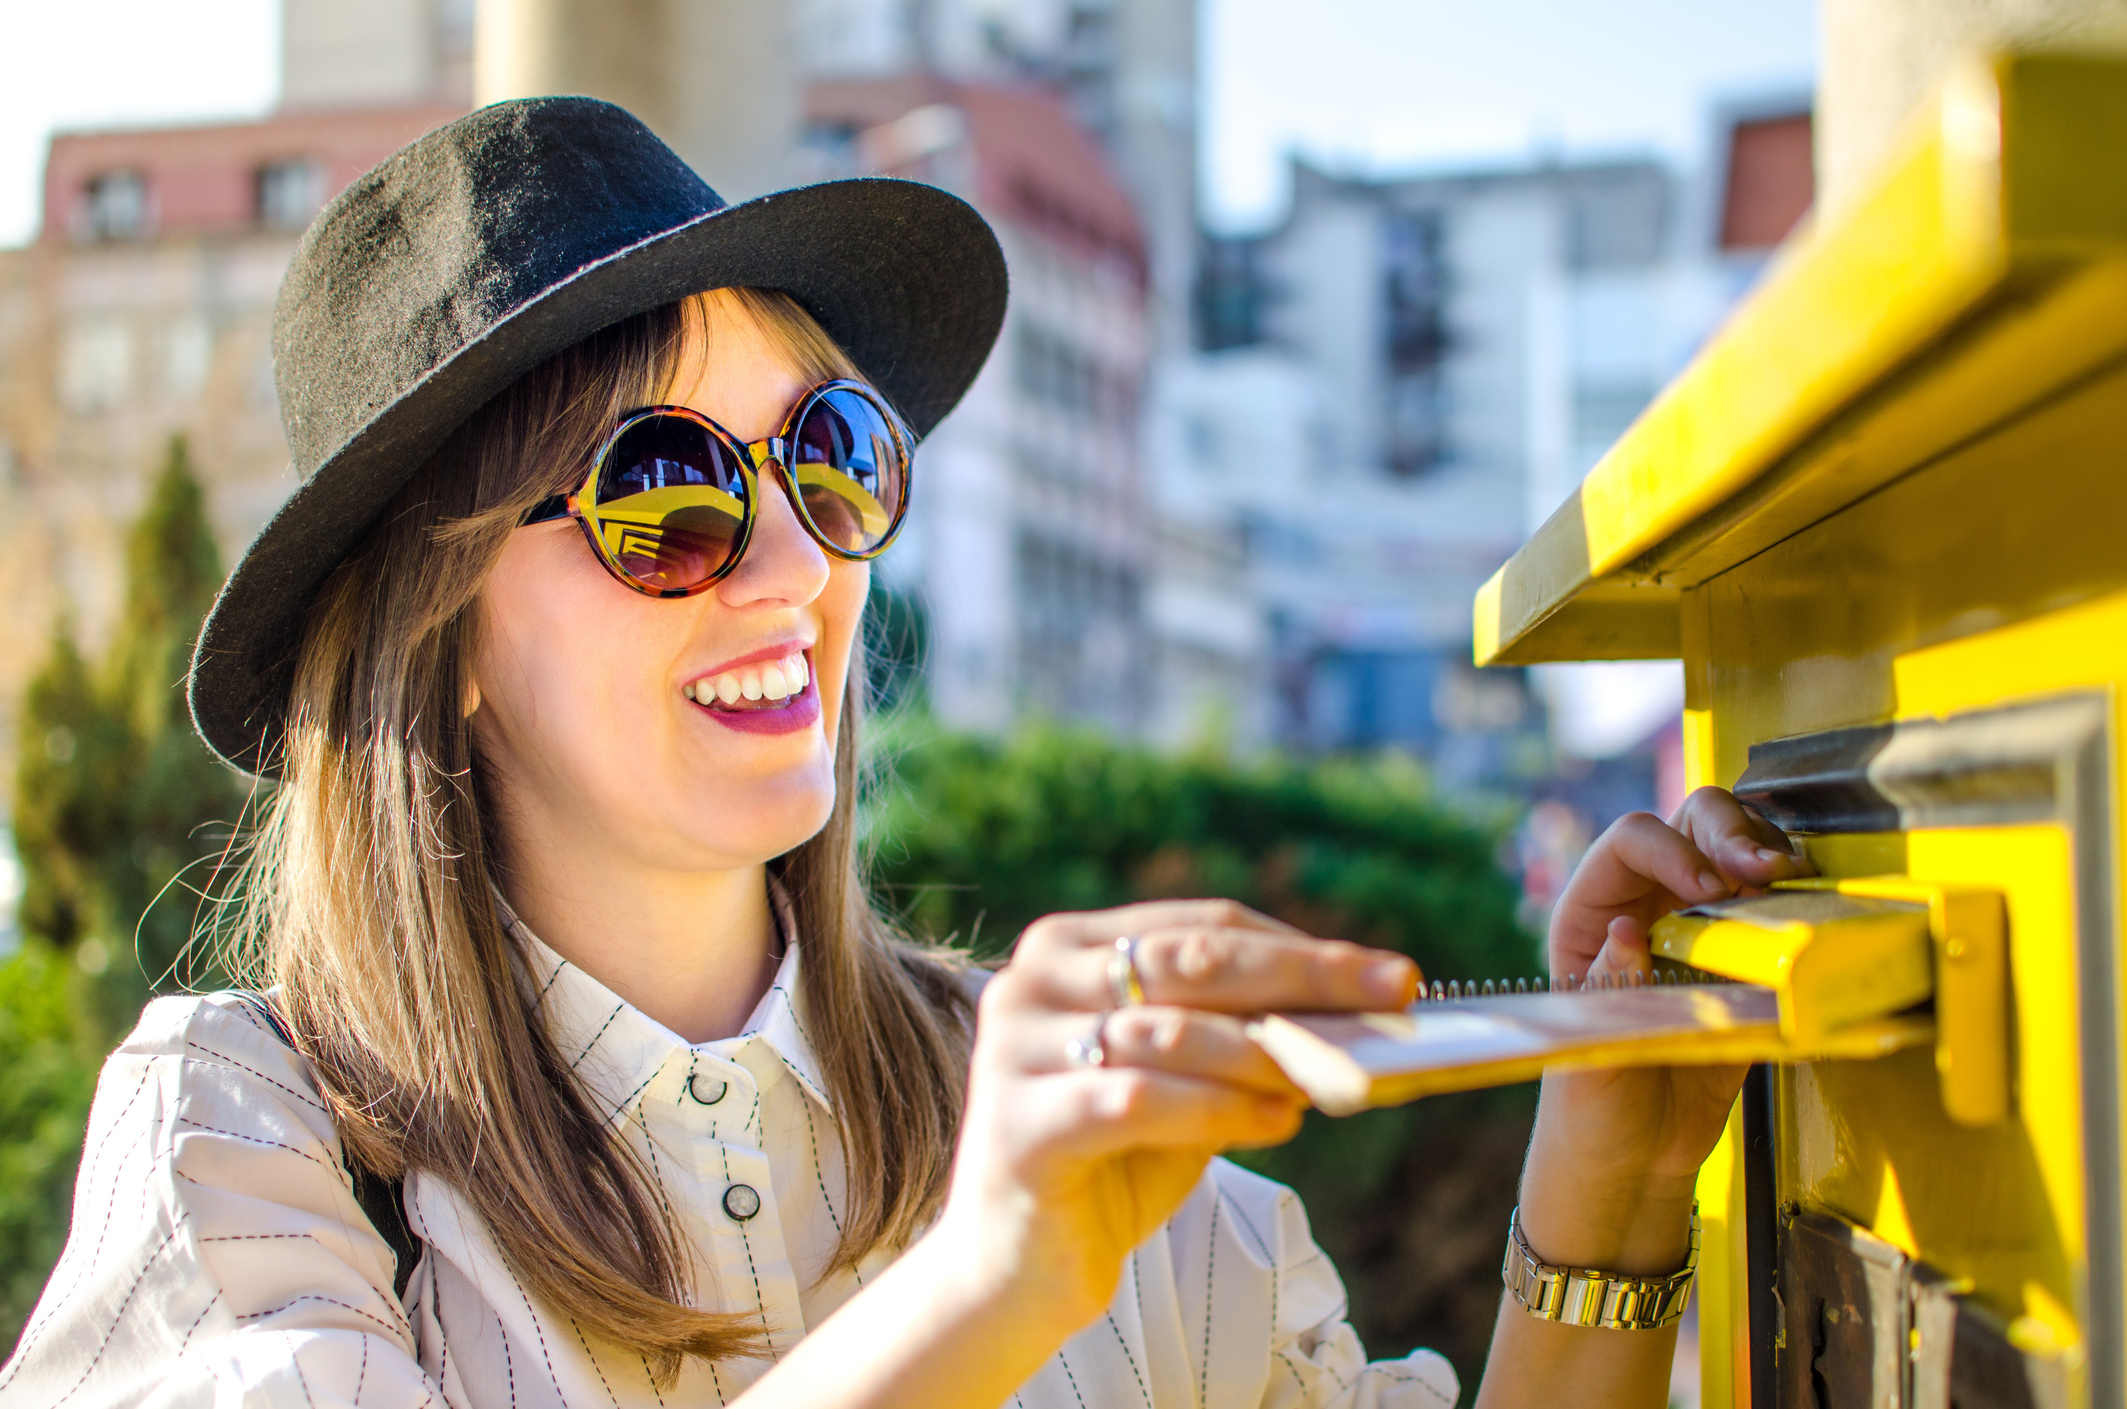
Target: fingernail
<point>1711,881</point>
<point>1766,853</point>
<point>1387,978</point>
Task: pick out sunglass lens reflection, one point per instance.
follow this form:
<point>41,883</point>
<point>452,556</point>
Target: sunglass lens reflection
<point>850,469</point>
<point>671,503</point>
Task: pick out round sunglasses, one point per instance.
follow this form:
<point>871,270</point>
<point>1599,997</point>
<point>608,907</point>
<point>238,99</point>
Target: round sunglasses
<point>671,498</point>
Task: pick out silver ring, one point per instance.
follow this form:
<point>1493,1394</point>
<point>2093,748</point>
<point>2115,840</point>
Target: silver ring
<point>1125,985</point>
<point>1089,1049</point>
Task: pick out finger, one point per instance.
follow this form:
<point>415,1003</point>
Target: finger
<point>1218,968</point>
<point>1235,971</point>
<point>1109,1110</point>
<point>1640,867</point>
<point>1209,1046</point>
<point>1767,834</point>
<point>1638,856</point>
<point>1625,951</point>
<point>1103,927</point>
<point>1749,850</point>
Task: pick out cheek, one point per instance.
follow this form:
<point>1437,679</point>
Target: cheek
<point>841,606</point>
<point>561,650</point>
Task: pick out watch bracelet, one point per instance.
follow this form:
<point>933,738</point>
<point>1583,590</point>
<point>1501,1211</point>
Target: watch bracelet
<point>1576,1296</point>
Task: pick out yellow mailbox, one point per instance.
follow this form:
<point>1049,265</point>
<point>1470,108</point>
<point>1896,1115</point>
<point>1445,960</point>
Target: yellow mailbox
<point>1883,520</point>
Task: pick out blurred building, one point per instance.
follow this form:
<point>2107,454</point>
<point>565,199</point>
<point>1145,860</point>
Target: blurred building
<point>1252,483</point>
<point>143,307</point>
<point>1056,578</point>
<point>1049,582</point>
<point>1408,375</point>
<point>142,310</point>
<point>380,53</point>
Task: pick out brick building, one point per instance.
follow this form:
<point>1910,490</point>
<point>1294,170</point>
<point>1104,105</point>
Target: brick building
<point>142,310</point>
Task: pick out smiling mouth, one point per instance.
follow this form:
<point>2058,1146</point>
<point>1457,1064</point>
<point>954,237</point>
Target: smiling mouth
<point>753,689</point>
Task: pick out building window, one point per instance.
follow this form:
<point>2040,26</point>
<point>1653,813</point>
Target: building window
<point>1230,294</point>
<point>290,193</point>
<point>1052,370</point>
<point>96,365</point>
<point>115,206</point>
<point>1414,288</point>
<point>1080,643</point>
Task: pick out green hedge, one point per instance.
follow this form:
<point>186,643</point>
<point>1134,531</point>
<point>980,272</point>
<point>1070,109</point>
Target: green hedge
<point>973,838</point>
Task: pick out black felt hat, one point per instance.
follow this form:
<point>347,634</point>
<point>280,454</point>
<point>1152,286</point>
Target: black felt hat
<point>468,258</point>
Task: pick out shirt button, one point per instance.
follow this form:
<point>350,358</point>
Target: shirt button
<point>709,1092</point>
<point>741,1202</point>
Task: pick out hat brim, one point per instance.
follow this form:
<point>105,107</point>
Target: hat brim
<point>907,278</point>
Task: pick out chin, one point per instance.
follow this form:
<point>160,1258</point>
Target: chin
<point>761,819</point>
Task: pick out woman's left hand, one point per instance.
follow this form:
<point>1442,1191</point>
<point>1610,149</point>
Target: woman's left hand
<point>1617,1152</point>
<point>1615,1157</point>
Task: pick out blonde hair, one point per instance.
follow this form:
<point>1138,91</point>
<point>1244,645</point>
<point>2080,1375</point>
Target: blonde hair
<point>365,896</point>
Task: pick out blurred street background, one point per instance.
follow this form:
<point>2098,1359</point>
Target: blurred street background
<point>1317,312</point>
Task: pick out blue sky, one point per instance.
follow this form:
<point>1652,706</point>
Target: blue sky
<point>1356,84</point>
<point>1388,84</point>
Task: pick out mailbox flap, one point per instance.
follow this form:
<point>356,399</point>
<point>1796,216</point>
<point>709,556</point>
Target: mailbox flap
<point>1838,952</point>
<point>1833,959</point>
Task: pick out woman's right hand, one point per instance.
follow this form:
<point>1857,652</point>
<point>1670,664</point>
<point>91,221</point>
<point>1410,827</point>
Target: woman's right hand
<point>1062,1169</point>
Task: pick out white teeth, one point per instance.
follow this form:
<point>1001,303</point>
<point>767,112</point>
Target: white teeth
<point>774,680</point>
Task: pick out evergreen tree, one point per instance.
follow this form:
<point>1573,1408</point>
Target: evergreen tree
<point>180,802</point>
<point>119,814</point>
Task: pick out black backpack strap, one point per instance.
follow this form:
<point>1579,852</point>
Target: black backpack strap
<point>266,1013</point>
<point>382,1200</point>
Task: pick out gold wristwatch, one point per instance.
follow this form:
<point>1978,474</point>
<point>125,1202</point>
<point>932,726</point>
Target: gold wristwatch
<point>1575,1296</point>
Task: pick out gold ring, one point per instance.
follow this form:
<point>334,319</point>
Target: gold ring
<point>1125,985</point>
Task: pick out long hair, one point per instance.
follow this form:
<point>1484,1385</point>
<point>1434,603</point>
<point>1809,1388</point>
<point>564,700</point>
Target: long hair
<point>366,894</point>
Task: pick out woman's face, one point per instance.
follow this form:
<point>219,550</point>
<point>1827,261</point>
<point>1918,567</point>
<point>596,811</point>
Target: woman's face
<point>591,722</point>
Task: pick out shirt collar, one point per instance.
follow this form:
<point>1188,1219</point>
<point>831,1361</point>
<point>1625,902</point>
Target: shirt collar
<point>618,1050</point>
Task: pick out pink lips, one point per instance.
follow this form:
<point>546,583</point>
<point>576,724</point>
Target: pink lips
<point>799,711</point>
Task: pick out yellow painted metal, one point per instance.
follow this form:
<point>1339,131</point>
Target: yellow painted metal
<point>1999,1205</point>
<point>1831,960</point>
<point>1722,1295</point>
<point>1972,584</point>
<point>1894,489</point>
<point>1986,271</point>
<point>1966,951</point>
<point>1969,953</point>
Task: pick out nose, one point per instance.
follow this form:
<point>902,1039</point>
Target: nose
<point>782,565</point>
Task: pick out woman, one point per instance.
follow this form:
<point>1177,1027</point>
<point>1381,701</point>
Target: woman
<point>587,1075</point>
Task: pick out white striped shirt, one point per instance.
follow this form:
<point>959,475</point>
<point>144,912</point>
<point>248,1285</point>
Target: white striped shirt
<point>218,1256</point>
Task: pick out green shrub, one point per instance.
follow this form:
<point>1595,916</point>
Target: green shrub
<point>973,838</point>
<point>43,1105</point>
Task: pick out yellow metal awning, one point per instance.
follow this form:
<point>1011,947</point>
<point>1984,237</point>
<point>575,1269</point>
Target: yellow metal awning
<point>1985,271</point>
